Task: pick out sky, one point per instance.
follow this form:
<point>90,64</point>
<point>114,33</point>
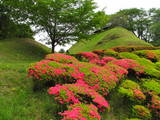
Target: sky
<point>113,6</point>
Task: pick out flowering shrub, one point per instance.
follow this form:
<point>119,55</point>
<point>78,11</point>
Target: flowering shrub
<point>81,111</point>
<point>98,62</point>
<point>129,64</point>
<point>141,112</point>
<point>77,93</point>
<point>61,58</point>
<point>150,68</point>
<point>102,79</point>
<point>155,105</point>
<point>81,85</point>
<point>148,54</point>
<point>103,61</point>
<point>132,90</point>
<point>134,48</point>
<point>88,55</point>
<point>108,59</point>
<point>108,52</point>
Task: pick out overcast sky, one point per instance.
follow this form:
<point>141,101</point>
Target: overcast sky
<point>112,6</point>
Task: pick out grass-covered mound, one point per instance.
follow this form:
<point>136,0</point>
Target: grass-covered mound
<point>108,39</point>
<point>17,99</point>
<point>21,49</point>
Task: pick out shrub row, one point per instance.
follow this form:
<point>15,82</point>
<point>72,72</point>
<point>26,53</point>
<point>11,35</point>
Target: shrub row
<point>79,85</point>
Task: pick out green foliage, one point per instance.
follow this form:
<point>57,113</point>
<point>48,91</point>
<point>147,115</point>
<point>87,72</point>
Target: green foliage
<point>141,112</point>
<point>155,27</point>
<point>157,65</point>
<point>133,19</point>
<point>108,39</point>
<point>128,55</point>
<point>149,67</point>
<point>10,28</point>
<point>134,48</point>
<point>153,55</point>
<point>134,119</point>
<point>152,85</point>
<point>65,21</point>
<point>131,90</point>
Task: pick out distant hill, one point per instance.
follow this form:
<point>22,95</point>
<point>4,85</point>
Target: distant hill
<point>111,38</point>
<point>22,49</point>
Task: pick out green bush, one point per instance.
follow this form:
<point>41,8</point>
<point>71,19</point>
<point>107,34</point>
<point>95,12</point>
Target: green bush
<point>128,55</point>
<point>131,90</point>
<point>157,65</point>
<point>133,48</point>
<point>148,54</point>
<point>108,52</point>
<point>150,68</point>
<point>134,119</point>
<point>152,85</point>
<point>142,112</point>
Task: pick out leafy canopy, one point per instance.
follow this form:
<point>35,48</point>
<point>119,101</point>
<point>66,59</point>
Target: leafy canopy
<point>63,20</point>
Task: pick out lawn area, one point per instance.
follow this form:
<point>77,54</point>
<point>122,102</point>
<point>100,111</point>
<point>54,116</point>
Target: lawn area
<point>18,101</point>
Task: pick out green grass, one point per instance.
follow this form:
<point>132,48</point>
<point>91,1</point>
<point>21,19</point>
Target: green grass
<point>108,39</point>
<point>18,101</point>
<point>21,49</point>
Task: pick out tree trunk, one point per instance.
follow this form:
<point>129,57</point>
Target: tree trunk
<point>53,49</point>
<point>53,46</point>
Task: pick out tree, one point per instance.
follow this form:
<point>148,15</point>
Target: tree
<point>135,20</point>
<point>63,20</point>
<point>9,27</point>
<point>155,26</point>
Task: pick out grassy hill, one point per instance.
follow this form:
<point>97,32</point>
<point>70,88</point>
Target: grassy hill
<point>21,49</point>
<point>18,101</point>
<point>108,39</point>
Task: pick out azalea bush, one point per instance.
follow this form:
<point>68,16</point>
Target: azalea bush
<point>141,112</point>
<point>134,48</point>
<point>148,54</point>
<point>129,64</point>
<point>87,56</point>
<point>82,85</point>
<point>61,58</point>
<point>132,91</point>
<point>101,79</point>
<point>150,69</point>
<point>108,52</point>
<point>81,111</point>
<point>154,106</point>
<point>78,93</point>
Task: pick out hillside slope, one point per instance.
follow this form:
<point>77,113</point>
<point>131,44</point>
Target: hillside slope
<point>22,49</point>
<point>108,39</point>
<point>17,98</point>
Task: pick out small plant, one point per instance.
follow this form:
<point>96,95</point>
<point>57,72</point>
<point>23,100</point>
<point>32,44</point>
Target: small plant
<point>141,112</point>
<point>131,90</point>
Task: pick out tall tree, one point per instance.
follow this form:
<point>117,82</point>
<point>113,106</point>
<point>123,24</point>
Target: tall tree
<point>155,26</point>
<point>135,20</point>
<point>63,20</point>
